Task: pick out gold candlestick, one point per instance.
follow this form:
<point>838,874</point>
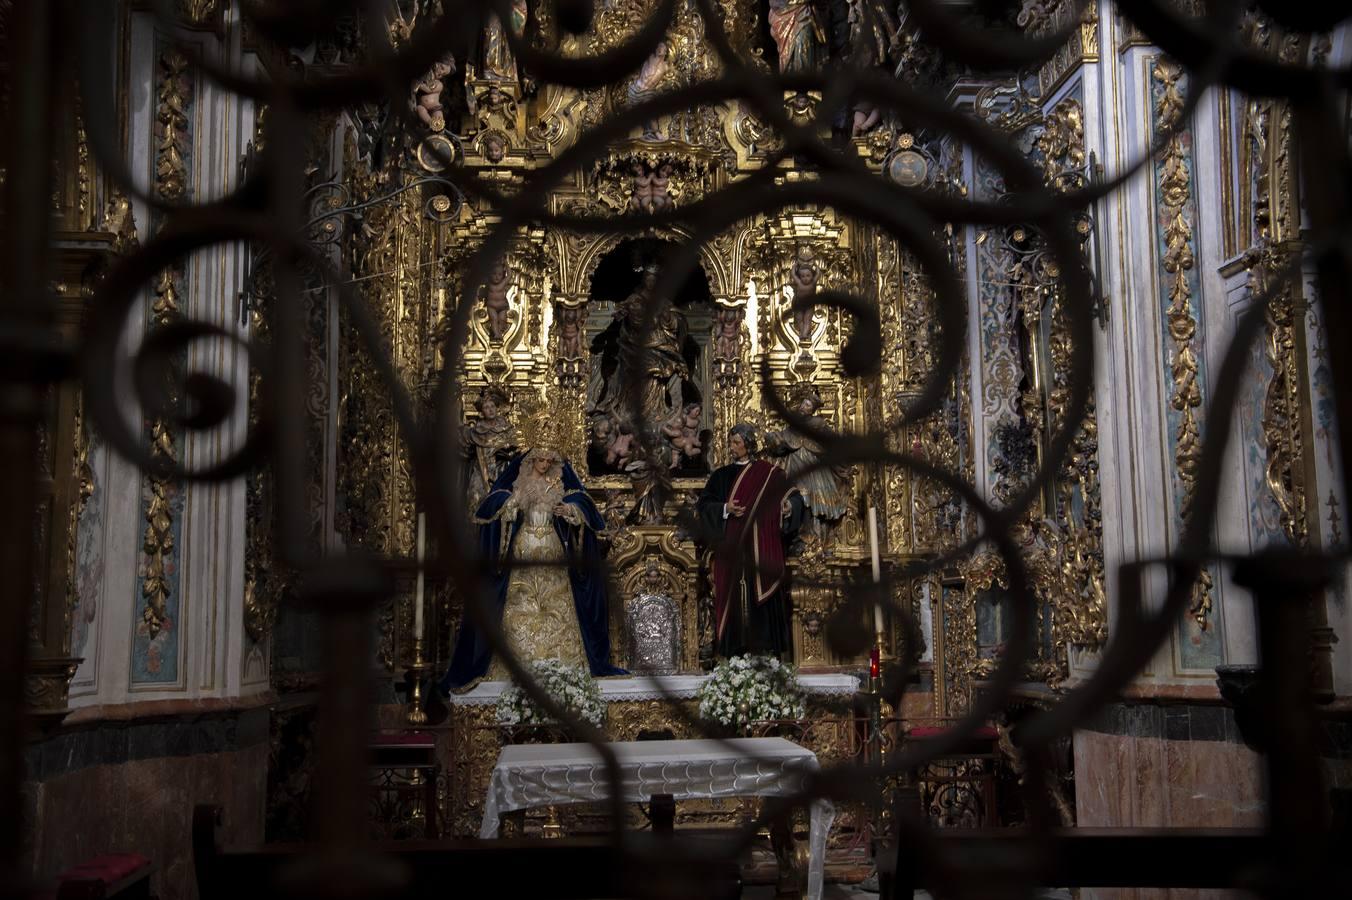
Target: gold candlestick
<point>416,715</point>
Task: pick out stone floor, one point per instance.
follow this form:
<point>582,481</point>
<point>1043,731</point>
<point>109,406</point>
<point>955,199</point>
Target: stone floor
<point>852,892</point>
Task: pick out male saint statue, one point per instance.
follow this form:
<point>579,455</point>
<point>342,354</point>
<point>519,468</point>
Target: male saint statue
<point>750,514</point>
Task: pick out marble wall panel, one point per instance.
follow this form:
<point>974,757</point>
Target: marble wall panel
<point>145,806</point>
<point>1151,765</point>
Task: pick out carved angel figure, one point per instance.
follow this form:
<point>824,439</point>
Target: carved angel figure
<point>650,187</point>
<point>823,489</point>
<point>612,444</point>
<point>802,286</point>
<point>682,432</point>
<point>496,297</point>
<point>427,93</point>
<point>488,441</point>
<point>570,319</point>
<point>728,333</point>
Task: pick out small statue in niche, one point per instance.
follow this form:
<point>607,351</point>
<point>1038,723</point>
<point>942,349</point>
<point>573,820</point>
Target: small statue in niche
<point>682,432</point>
<point>571,319</point>
<point>728,333</point>
<point>499,65</point>
<point>872,33</point>
<point>823,488</point>
<point>427,93</point>
<point>489,441</point>
<point>667,352</point>
<point>650,80</point>
<point>797,35</point>
<point>803,286</point>
<point>496,294</point>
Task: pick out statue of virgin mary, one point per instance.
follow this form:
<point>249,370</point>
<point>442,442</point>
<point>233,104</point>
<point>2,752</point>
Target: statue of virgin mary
<point>539,538</point>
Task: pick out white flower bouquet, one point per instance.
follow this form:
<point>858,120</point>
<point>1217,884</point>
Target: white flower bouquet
<point>748,689</point>
<point>571,686</point>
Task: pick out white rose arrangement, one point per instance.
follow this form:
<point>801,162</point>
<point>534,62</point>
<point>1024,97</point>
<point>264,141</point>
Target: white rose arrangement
<point>748,689</point>
<point>570,686</point>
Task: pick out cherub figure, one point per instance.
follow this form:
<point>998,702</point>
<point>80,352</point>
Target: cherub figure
<point>427,93</point>
<point>494,147</point>
<point>682,432</point>
<point>496,296</point>
<point>612,444</point>
<point>649,192</point>
<point>658,197</point>
<point>728,333</point>
<point>802,287</point>
<point>621,448</point>
<point>570,331</point>
<point>641,197</point>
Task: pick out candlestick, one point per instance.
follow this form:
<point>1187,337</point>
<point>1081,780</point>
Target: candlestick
<point>418,591</point>
<point>877,565</point>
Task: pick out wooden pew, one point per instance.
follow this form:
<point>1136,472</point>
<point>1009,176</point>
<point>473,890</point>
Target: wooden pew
<point>657,866</point>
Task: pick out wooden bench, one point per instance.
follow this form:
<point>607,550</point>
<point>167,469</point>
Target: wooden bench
<point>561,868</point>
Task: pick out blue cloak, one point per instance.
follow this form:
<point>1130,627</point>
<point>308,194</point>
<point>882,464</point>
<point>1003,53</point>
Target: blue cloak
<point>581,548</point>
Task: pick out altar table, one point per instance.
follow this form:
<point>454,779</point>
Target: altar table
<point>658,687</point>
<point>533,775</point>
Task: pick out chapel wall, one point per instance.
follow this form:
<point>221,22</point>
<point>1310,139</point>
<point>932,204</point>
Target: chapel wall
<point>159,574</point>
<point>1222,196</point>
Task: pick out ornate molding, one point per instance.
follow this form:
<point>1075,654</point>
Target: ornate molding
<point>1043,17</point>
<point>158,570</point>
<point>1174,173</point>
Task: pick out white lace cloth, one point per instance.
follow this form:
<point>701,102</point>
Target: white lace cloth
<point>533,775</point>
<point>655,687</point>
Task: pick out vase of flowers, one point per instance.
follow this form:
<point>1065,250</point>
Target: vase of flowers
<point>570,686</point>
<point>748,689</point>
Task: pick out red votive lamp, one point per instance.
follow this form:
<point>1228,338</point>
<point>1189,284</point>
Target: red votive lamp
<point>875,669</point>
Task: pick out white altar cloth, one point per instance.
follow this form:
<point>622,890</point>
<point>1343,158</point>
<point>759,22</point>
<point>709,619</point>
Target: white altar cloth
<point>529,776</point>
<point>655,687</point>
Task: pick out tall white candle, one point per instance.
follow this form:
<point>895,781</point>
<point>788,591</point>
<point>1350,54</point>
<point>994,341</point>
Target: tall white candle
<point>418,592</point>
<point>877,565</point>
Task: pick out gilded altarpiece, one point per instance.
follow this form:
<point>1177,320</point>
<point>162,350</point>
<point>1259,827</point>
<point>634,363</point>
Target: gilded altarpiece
<point>536,346</point>
<point>537,321</point>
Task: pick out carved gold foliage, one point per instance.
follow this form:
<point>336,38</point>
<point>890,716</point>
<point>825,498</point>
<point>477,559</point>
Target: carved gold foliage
<point>158,541</point>
<point>173,97</point>
<point>1175,188</point>
<point>1062,141</point>
<point>1283,434</point>
<point>171,117</point>
<point>197,11</point>
<point>84,171</point>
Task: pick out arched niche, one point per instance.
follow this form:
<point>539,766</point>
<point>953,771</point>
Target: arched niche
<point>676,384</point>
